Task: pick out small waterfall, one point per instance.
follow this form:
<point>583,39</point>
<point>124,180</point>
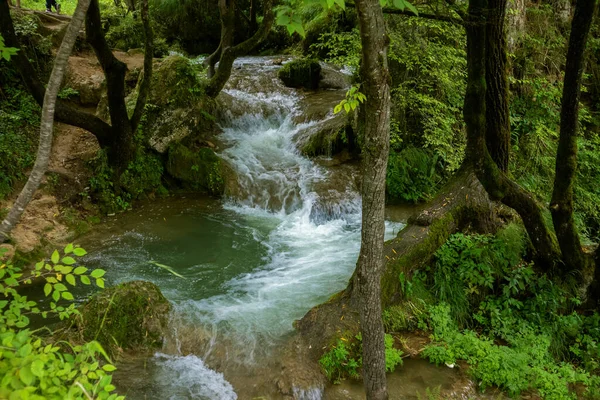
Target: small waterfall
<point>284,241</point>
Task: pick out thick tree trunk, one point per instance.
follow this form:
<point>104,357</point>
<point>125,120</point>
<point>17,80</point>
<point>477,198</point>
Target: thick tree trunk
<point>496,75</point>
<point>47,122</point>
<point>498,185</point>
<point>369,268</point>
<point>229,54</point>
<point>121,149</point>
<point>517,16</point>
<point>64,112</point>
<point>144,88</point>
<point>561,205</point>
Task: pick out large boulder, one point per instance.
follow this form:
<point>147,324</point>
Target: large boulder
<point>334,78</point>
<point>303,73</point>
<point>177,106</point>
<point>326,137</point>
<point>130,316</point>
<point>198,168</point>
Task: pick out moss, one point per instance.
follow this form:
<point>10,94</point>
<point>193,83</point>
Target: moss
<point>175,82</point>
<point>303,73</point>
<point>200,169</point>
<point>439,231</point>
<point>132,315</point>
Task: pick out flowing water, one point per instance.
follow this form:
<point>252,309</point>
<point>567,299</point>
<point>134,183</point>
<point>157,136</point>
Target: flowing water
<point>252,264</point>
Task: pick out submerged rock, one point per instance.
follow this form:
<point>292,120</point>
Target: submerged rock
<point>132,315</point>
<point>200,169</point>
<point>303,73</point>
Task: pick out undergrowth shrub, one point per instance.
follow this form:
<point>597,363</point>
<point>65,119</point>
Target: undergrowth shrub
<point>34,366</point>
<point>344,359</point>
<point>411,175</point>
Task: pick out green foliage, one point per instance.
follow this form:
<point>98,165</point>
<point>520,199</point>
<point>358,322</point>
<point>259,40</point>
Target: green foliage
<point>344,359</point>
<point>19,124</point>
<point>353,98</point>
<point>411,175</point>
<point>35,367</point>
<point>482,282</point>
<point>67,93</point>
<point>339,48</point>
<point>6,52</point>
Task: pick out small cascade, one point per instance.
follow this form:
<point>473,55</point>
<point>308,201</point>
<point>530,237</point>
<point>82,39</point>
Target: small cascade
<point>284,241</point>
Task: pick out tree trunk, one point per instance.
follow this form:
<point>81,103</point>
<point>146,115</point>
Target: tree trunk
<point>227,15</point>
<point>121,149</point>
<point>229,54</point>
<point>561,205</point>
<point>497,134</point>
<point>369,268</point>
<point>517,17</point>
<point>64,113</point>
<point>144,89</point>
<point>47,122</point>
<point>498,185</point>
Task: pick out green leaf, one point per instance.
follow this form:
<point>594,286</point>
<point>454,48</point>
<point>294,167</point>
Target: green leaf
<point>47,289</point>
<point>69,249</point>
<point>411,7</point>
<point>109,367</point>
<point>283,19</point>
<point>290,29</point>
<point>60,287</point>
<point>55,257</point>
<point>68,260</point>
<point>26,376</point>
<point>67,295</point>
<point>100,283</point>
<point>39,266</point>
<point>79,252</point>
<point>347,107</point>
<point>80,270</point>
<point>37,368</point>
<point>71,279</point>
<point>97,273</point>
<point>56,295</point>
<point>85,279</point>
<point>25,350</point>
<point>337,109</point>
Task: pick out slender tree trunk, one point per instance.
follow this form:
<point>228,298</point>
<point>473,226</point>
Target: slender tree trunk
<point>561,205</point>
<point>145,84</point>
<point>229,54</point>
<point>47,122</point>
<point>497,113</point>
<point>369,268</point>
<point>64,112</point>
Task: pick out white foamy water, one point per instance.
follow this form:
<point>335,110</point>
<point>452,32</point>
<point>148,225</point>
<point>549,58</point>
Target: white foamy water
<point>306,246</point>
<point>192,379</point>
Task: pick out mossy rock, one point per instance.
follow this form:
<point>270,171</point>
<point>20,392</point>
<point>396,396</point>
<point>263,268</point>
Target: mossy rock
<point>130,316</point>
<point>199,169</point>
<point>175,82</point>
<point>303,73</point>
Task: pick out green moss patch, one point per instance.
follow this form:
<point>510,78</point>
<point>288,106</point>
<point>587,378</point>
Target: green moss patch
<point>200,169</point>
<point>132,315</point>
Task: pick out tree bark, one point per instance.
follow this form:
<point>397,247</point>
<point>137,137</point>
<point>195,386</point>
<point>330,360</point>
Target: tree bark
<point>498,185</point>
<point>561,205</point>
<point>229,54</point>
<point>64,112</point>
<point>497,134</point>
<point>121,150</point>
<point>369,268</point>
<point>227,16</point>
<point>47,122</point>
<point>144,89</point>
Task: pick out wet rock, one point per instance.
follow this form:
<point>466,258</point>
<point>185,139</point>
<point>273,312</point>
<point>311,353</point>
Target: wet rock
<point>177,107</point>
<point>326,137</point>
<point>131,316</point>
<point>303,73</point>
<point>199,169</point>
<point>332,78</point>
